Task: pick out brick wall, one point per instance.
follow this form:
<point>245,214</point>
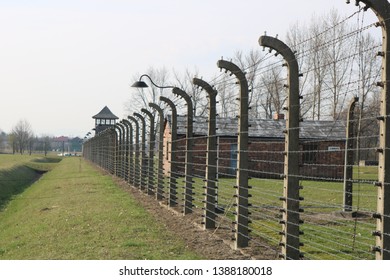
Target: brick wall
<point>325,161</point>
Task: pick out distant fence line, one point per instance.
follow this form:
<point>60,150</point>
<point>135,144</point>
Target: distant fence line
<point>284,188</point>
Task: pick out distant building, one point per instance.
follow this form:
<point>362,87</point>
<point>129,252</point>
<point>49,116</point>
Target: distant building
<point>104,119</point>
<point>321,147</point>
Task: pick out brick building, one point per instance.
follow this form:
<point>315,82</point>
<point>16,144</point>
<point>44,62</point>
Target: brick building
<point>321,147</point>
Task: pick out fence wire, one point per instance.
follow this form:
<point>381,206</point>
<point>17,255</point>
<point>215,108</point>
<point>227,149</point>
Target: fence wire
<point>337,173</point>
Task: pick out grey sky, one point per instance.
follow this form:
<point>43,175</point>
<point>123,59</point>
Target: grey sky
<point>61,62</point>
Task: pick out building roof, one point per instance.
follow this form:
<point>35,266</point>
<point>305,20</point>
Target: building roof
<point>105,113</point>
<point>266,128</point>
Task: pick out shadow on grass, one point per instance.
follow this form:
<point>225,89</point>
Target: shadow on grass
<point>14,181</point>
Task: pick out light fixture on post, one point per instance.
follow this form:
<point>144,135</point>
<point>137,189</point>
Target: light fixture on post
<point>187,209</point>
<point>142,84</point>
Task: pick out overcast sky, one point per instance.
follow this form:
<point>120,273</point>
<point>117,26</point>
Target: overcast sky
<point>62,61</point>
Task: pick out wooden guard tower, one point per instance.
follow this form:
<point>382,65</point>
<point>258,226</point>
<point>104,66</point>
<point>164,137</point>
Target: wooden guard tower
<point>104,119</point>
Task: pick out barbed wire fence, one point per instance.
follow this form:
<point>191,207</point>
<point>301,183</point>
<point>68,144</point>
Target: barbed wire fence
<point>308,184</point>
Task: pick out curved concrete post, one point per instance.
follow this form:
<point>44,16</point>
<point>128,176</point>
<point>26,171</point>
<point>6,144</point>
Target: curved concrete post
<point>290,222</point>
<point>172,197</point>
<point>121,151</point>
<point>382,234</point>
<point>160,171</point>
<point>144,160</point>
<point>152,141</point>
<point>113,142</point>
<point>189,165</point>
<point>126,151</point>
<point>211,157</point>
<point>137,164</point>
<point>242,216</point>
<point>130,161</point>
<point>118,138</point>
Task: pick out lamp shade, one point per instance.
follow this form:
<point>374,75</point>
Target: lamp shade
<point>140,84</point>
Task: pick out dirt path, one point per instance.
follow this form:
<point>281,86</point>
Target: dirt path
<point>210,244</point>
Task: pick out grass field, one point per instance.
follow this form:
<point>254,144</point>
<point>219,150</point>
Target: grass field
<point>327,234</point>
<point>75,212</point>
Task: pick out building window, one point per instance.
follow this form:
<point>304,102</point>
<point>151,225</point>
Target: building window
<point>310,151</point>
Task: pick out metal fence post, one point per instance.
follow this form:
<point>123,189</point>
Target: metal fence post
<point>290,221</point>
<point>242,212</point>
<point>136,166</point>
<point>172,200</point>
<point>160,174</point>
<point>152,140</point>
<point>144,161</point>
<point>211,157</point>
<point>188,177</point>
<point>382,234</point>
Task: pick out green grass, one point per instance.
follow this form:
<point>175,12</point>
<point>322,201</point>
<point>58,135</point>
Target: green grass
<point>327,235</point>
<point>75,212</point>
<point>18,172</point>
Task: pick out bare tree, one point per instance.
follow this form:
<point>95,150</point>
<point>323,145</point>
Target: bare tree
<point>22,133</point>
<point>226,97</point>
<point>338,61</point>
<point>273,92</point>
<point>199,100</point>
<point>368,73</point>
<point>250,63</point>
<point>141,97</point>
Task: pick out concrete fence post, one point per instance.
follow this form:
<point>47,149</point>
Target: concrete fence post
<point>118,145</point>
<point>290,212</point>
<point>130,156</point>
<point>382,233</point>
<point>211,157</point>
<point>137,164</point>
<point>130,167</point>
<point>121,154</point>
<point>126,151</point>
<point>242,212</point>
<point>152,141</point>
<point>172,199</point>
<point>144,160</point>
<point>189,164</point>
<point>117,136</point>
<point>160,170</point>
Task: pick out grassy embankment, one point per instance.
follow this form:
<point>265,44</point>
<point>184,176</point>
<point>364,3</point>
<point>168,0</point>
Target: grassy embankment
<point>75,212</point>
